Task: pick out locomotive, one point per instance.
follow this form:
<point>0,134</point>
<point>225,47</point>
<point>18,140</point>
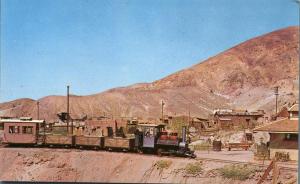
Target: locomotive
<point>147,138</point>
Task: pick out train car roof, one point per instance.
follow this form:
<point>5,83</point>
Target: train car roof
<point>20,121</point>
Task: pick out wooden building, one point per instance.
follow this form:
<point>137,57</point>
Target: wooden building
<point>283,134</point>
<point>202,124</point>
<point>227,119</point>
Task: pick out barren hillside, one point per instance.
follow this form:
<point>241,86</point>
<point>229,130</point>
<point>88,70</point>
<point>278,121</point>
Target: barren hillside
<point>241,77</point>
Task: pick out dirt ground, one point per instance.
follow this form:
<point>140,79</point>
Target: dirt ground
<point>46,164</point>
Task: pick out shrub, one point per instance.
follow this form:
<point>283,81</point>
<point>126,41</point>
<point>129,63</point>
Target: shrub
<point>237,172</point>
<point>193,168</point>
<point>163,164</point>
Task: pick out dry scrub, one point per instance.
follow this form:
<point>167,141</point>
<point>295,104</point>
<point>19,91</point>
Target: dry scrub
<point>162,164</point>
<point>237,172</point>
<point>193,169</point>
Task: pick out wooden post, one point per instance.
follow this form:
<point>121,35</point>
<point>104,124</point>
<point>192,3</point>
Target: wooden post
<point>275,173</point>
<point>162,111</point>
<point>266,173</point>
<point>276,95</point>
<point>38,109</point>
<point>44,137</point>
<point>189,119</point>
<point>68,113</point>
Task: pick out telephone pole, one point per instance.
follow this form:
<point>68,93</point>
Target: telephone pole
<point>68,108</point>
<point>38,109</point>
<point>276,95</point>
<point>162,111</point>
<point>189,119</point>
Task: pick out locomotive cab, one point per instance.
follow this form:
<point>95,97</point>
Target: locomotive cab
<point>146,136</point>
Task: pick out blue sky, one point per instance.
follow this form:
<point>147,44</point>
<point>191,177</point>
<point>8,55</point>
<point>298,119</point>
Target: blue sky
<point>94,45</point>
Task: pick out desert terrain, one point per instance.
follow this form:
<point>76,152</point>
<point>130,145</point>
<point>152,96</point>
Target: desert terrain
<point>45,164</point>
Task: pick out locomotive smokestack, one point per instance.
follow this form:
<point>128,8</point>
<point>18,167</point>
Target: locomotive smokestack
<point>184,134</point>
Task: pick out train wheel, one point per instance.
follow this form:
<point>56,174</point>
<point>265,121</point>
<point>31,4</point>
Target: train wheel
<point>140,151</point>
<point>159,152</point>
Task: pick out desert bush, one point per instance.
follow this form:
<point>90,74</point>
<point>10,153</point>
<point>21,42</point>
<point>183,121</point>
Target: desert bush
<point>193,168</point>
<point>163,164</point>
<point>237,171</point>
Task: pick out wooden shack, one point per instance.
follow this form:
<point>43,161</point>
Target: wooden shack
<point>228,119</point>
<point>98,127</point>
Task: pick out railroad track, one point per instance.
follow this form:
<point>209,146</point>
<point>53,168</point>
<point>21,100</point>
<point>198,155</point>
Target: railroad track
<point>286,168</point>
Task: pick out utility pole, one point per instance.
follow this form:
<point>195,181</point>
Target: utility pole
<point>162,111</point>
<point>189,116</point>
<point>68,108</point>
<point>276,95</point>
<point>38,109</point>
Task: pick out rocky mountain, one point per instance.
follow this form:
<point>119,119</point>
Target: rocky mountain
<point>242,77</point>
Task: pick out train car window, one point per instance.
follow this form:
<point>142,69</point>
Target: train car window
<point>13,129</point>
<point>148,131</point>
<point>151,131</point>
<point>27,129</point>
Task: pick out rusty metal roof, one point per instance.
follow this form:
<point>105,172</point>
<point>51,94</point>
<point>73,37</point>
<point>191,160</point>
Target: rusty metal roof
<point>294,108</point>
<point>280,126</point>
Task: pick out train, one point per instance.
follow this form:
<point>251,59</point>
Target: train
<point>147,138</point>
